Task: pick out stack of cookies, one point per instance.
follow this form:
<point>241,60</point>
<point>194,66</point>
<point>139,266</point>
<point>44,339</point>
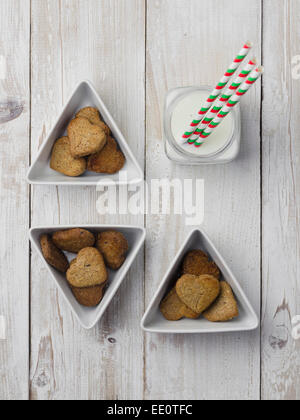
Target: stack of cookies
<point>87,274</point>
<point>199,291</point>
<point>88,146</point>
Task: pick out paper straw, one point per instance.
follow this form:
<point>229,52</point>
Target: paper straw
<point>254,76</point>
<point>217,91</point>
<point>223,100</point>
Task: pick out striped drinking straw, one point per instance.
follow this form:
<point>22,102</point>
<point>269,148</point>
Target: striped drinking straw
<point>254,76</point>
<point>223,100</point>
<point>217,91</point>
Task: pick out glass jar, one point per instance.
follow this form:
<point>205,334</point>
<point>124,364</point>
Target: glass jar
<point>220,149</point>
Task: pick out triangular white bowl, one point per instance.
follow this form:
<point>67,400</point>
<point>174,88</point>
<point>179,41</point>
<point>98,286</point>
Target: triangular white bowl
<point>40,171</point>
<point>153,321</point>
<point>89,317</point>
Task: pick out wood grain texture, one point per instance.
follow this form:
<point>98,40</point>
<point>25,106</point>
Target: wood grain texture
<point>103,41</point>
<point>183,50</point>
<point>14,199</point>
<point>281,206</point>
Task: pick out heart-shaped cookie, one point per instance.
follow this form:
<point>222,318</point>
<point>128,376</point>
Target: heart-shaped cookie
<point>198,293</point>
<point>173,309</point>
<point>73,240</point>
<point>54,256</point>
<point>113,246</point>
<point>198,263</point>
<point>62,161</point>
<point>109,160</point>
<point>88,269</point>
<point>89,296</point>
<point>225,308</point>
<point>85,138</point>
<point>93,115</point>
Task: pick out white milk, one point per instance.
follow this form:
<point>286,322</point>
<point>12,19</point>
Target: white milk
<point>184,112</point>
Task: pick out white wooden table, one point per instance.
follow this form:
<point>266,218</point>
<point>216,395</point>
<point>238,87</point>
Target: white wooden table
<point>134,51</point>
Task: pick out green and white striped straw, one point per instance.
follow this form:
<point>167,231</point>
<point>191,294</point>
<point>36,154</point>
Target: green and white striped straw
<point>223,100</point>
<point>217,91</point>
<point>254,76</point>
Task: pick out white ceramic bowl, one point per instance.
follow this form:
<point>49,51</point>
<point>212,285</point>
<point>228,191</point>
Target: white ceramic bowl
<point>88,317</point>
<point>40,171</point>
<point>153,321</point>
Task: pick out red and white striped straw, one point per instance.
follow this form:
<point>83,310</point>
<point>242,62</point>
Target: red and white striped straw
<point>217,91</point>
<point>254,76</point>
<point>223,100</point>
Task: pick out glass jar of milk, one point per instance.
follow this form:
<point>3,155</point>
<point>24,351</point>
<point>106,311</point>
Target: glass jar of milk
<point>222,146</point>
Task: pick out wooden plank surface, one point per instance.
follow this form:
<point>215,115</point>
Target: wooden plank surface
<point>46,354</point>
<point>281,206</point>
<point>188,47</point>
<point>102,41</point>
<point>14,199</point>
